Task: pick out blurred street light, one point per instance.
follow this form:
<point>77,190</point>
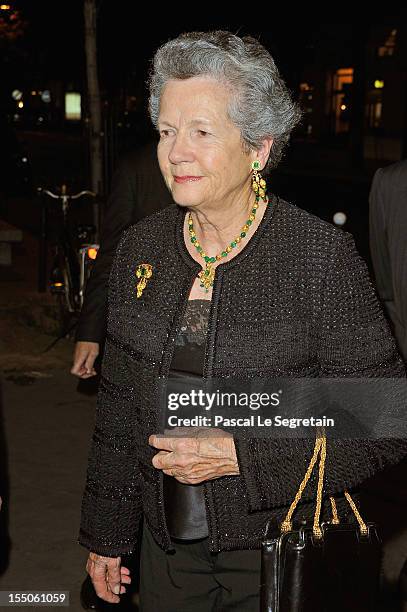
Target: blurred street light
<point>16,94</point>
<point>12,25</point>
<point>73,110</point>
<point>46,96</point>
<point>339,218</point>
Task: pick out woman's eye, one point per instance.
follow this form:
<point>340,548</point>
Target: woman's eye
<point>202,133</point>
<point>166,133</point>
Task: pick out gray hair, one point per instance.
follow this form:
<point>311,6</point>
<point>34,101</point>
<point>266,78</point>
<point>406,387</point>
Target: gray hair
<point>262,105</point>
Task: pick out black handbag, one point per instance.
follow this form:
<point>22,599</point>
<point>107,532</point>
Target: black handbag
<point>328,567</point>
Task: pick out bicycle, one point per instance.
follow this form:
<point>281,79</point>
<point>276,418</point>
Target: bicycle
<point>72,261</point>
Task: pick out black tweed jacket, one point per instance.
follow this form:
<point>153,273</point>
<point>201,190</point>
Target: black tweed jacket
<point>296,301</point>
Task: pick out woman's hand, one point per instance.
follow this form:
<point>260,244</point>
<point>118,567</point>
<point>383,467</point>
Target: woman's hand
<point>108,576</point>
<point>200,454</point>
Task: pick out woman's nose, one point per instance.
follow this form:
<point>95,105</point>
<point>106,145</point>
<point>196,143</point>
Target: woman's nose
<point>181,151</point>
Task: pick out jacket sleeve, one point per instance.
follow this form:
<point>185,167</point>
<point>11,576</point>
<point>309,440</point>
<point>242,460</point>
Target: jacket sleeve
<point>353,340</point>
<point>118,216</point>
<point>378,246</point>
<point>111,504</point>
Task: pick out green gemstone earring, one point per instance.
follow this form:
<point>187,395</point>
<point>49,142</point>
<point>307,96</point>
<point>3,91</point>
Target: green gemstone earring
<point>259,185</point>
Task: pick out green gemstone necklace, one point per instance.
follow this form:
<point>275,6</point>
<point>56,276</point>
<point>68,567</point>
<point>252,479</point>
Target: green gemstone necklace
<point>207,274</point>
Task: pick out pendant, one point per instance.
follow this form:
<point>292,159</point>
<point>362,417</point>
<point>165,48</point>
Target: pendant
<point>144,272</point>
<point>207,276</point>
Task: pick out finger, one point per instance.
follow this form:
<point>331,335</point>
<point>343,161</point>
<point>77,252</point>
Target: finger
<point>179,472</point>
<point>216,447</point>
<point>79,357</point>
<point>87,374</point>
<point>80,373</point>
<point>124,570</point>
<point>159,460</point>
<point>106,594</point>
<point>113,578</point>
<point>101,587</point>
<point>90,360</point>
<point>78,367</point>
<point>172,443</point>
<point>83,374</point>
<point>193,480</point>
<point>181,462</point>
<point>200,471</point>
<point>167,460</point>
<point>99,570</point>
<point>162,442</point>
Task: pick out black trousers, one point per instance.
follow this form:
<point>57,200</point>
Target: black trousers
<point>192,579</point>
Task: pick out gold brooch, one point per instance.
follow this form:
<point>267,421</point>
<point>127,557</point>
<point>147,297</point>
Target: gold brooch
<point>144,272</point>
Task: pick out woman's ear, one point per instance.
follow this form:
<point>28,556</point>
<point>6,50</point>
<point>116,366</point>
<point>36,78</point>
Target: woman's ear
<point>263,153</point>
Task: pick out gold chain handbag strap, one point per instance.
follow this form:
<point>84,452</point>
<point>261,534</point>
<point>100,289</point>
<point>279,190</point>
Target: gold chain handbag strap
<point>319,448</point>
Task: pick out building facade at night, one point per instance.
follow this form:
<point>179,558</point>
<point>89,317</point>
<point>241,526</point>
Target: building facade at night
<point>354,91</point>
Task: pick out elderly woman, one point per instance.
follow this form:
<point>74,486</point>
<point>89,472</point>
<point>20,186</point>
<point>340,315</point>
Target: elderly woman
<point>232,281</point>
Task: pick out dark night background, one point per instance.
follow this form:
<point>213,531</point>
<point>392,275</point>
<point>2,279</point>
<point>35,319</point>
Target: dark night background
<point>325,170</point>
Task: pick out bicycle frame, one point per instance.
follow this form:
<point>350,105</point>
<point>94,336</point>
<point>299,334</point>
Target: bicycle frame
<point>69,263</point>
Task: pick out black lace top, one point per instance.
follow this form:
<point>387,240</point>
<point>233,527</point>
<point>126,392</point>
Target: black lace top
<point>185,504</point>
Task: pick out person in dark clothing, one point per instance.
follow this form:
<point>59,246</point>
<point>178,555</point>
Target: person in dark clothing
<point>388,249</point>
<point>289,297</point>
<point>388,245</point>
<point>138,190</point>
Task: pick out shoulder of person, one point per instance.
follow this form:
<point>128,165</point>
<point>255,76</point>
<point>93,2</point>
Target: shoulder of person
<point>393,177</point>
<point>153,227</point>
<point>309,233</point>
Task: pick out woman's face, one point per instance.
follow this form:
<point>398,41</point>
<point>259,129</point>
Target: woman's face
<point>200,150</point>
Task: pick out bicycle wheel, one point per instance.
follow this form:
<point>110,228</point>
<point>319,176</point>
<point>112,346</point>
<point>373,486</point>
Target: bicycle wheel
<point>61,288</point>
